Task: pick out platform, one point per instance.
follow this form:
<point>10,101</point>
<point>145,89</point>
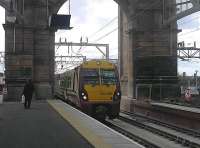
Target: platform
<point>177,115</point>
<point>50,124</point>
<point>177,107</point>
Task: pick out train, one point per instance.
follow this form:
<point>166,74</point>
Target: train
<point>93,87</point>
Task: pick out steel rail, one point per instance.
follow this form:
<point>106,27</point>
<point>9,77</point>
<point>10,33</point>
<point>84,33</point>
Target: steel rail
<point>171,137</point>
<point>180,129</point>
<point>130,135</point>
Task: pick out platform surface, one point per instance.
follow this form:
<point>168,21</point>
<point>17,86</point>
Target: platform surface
<point>177,107</point>
<point>38,127</point>
<point>55,124</point>
<point>95,132</point>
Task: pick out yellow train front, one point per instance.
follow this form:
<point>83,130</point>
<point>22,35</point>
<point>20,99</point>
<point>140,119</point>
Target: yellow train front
<point>93,87</point>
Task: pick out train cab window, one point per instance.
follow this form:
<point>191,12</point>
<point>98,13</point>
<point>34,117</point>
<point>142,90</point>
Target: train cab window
<point>1,88</point>
<point>91,76</point>
<point>108,76</point>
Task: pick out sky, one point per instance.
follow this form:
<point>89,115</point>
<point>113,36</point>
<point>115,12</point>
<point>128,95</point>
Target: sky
<point>87,22</point>
<point>88,16</point>
<point>190,26</point>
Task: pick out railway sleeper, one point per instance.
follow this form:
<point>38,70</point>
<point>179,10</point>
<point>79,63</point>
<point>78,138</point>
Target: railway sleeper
<point>181,129</point>
<point>169,136</point>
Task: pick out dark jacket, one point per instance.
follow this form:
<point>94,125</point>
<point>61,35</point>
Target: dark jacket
<point>28,89</point>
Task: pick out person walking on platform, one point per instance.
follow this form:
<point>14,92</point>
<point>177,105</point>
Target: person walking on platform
<point>28,92</point>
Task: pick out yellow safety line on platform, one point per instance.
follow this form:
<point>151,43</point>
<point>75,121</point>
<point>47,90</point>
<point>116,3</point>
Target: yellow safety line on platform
<point>91,137</point>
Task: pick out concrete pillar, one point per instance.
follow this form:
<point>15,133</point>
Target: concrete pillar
<point>44,62</point>
<point>29,55</point>
<point>131,61</point>
<point>29,47</point>
<point>152,59</point>
<point>123,52</point>
<point>18,58</point>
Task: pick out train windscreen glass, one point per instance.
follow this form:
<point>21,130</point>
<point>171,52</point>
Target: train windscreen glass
<point>108,76</point>
<point>91,76</point>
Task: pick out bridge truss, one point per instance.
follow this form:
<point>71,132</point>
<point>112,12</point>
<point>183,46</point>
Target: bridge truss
<point>185,53</point>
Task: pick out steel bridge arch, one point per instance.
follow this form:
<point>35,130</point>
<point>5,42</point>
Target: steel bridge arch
<point>5,4</point>
<point>195,8</point>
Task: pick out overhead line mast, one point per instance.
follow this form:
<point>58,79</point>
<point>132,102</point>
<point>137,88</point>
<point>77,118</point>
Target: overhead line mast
<point>86,44</point>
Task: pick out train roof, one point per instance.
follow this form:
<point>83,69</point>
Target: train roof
<point>97,63</point>
<point>89,64</point>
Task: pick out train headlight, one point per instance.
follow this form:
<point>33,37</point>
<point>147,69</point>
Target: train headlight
<point>84,97</point>
<point>117,96</point>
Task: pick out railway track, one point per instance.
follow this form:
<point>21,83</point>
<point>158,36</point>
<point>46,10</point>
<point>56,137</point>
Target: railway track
<point>184,141</point>
<point>180,129</point>
<point>130,135</point>
<point>133,120</point>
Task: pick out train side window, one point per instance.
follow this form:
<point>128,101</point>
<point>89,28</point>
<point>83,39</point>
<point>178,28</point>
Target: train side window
<point>76,81</point>
<point>78,78</point>
<point>68,82</point>
<point>1,88</point>
<point>73,80</point>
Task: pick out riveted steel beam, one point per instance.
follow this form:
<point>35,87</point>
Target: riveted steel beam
<point>193,9</point>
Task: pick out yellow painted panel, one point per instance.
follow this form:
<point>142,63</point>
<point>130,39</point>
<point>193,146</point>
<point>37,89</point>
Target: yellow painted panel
<point>100,92</point>
<point>98,64</point>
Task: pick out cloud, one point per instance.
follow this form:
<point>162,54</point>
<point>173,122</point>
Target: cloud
<point>189,22</point>
<point>104,9</point>
<point>190,27</point>
<point>188,66</point>
<point>189,36</point>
